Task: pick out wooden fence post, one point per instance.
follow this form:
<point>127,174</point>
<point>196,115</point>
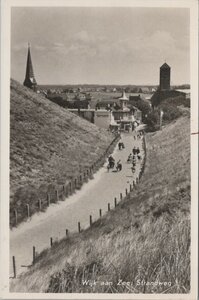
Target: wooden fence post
<point>33,255</point>
<point>100,212</point>
<point>66,191</point>
<point>120,196</point>
<point>115,201</point>
<point>39,202</point>
<point>16,216</point>
<point>66,232</point>
<point>57,195</point>
<point>126,192</point>
<point>80,179</point>
<point>48,199</point>
<point>141,170</point>
<point>109,208</point>
<point>14,267</point>
<point>79,227</point>
<point>70,187</point>
<point>51,241</point>
<point>28,210</point>
<point>91,220</point>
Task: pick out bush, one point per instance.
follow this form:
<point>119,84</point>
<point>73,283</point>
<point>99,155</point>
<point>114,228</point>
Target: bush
<point>58,100</point>
<point>177,101</point>
<point>171,112</point>
<point>152,120</point>
<point>143,106</point>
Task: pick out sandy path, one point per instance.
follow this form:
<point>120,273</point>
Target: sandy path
<point>94,195</point>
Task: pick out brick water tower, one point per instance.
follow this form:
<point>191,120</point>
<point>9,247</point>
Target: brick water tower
<point>165,71</point>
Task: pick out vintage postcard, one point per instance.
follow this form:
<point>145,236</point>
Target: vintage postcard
<point>99,149</point>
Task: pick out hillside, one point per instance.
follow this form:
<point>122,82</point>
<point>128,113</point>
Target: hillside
<point>145,239</point>
<point>48,146</point>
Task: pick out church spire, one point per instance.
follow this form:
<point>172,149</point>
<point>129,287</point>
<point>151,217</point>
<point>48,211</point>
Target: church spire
<point>30,81</point>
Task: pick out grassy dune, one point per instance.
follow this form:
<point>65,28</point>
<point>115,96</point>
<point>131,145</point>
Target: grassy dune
<point>48,146</point>
<point>144,241</point>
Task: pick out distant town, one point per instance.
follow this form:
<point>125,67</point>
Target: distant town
<point>86,88</point>
<point>113,107</point>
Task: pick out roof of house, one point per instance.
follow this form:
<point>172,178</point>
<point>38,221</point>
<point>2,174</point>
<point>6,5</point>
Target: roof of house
<point>121,110</point>
<point>134,97</point>
<point>165,66</point>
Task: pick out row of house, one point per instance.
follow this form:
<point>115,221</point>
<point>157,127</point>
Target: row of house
<point>114,114</point>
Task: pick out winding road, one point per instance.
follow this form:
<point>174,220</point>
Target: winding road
<point>94,195</point>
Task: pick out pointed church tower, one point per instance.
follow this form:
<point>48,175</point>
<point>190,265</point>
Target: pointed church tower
<point>30,81</point>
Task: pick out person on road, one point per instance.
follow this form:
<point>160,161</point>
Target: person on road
<point>110,158</point>
<point>119,166</point>
<point>133,169</point>
<point>111,161</point>
<point>129,157</point>
<point>121,145</point>
<point>134,161</point>
<point>134,151</point>
<point>138,150</point>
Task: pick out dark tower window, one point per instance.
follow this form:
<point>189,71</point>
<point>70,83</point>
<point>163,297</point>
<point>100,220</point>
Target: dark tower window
<point>165,77</point>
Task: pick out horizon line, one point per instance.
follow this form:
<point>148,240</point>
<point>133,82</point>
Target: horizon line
<point>99,84</point>
<point>111,84</point>
<point>106,84</point>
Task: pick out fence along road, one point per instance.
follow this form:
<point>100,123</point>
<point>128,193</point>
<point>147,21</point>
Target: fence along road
<point>93,196</point>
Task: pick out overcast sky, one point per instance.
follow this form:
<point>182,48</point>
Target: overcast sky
<point>100,45</point>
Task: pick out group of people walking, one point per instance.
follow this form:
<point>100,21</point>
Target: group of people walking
<point>121,145</point>
<point>112,164</point>
<point>133,157</point>
<point>138,136</point>
<point>111,161</point>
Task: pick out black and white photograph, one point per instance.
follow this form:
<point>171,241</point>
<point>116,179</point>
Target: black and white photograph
<point>99,179</point>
